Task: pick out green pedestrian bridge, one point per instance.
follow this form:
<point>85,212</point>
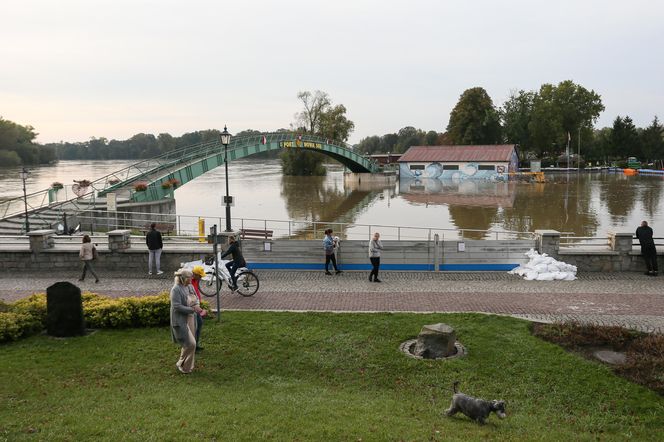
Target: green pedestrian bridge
<point>154,179</point>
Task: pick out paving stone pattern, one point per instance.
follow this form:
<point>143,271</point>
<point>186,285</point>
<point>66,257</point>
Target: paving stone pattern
<point>627,299</point>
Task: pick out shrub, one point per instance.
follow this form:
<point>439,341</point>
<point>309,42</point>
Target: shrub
<point>57,185</point>
<point>28,315</point>
<point>15,325</point>
<point>166,185</point>
<point>107,313</point>
<point>113,181</point>
<point>34,305</point>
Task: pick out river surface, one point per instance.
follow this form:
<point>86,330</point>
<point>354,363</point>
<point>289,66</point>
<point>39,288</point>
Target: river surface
<point>588,204</point>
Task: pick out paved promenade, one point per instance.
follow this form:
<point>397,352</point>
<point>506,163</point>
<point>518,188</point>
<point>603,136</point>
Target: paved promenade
<point>629,299</point>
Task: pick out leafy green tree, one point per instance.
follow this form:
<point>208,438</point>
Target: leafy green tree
<point>165,142</point>
<point>516,114</point>
<point>315,105</point>
<point>474,119</point>
<point>334,124</point>
<point>652,141</point>
<point>369,145</point>
<point>408,137</point>
<point>17,141</point>
<point>558,114</point>
<point>598,148</point>
<point>9,158</point>
<point>625,140</point>
<point>318,117</point>
<point>431,138</point>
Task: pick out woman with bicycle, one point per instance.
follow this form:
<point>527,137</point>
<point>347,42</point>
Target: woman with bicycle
<point>237,261</point>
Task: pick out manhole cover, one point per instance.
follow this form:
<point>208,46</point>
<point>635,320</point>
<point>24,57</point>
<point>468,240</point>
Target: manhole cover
<point>408,348</point>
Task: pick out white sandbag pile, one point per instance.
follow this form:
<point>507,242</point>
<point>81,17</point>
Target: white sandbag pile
<point>544,268</point>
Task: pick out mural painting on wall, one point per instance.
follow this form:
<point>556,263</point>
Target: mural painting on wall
<point>461,172</point>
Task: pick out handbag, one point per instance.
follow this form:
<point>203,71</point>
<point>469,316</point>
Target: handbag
<point>95,255</point>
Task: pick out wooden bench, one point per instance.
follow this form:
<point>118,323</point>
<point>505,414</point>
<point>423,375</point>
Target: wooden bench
<point>166,228</point>
<point>256,234</point>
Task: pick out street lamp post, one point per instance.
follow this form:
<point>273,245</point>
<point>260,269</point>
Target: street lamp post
<point>24,176</point>
<point>225,139</point>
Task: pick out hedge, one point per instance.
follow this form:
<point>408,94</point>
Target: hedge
<point>28,316</point>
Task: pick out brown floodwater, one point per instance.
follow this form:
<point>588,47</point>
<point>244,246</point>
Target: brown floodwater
<point>586,204</point>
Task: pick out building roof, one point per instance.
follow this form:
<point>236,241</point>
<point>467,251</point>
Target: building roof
<point>490,152</point>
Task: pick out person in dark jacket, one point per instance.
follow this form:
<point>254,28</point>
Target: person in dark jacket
<point>648,251</point>
<point>237,262</point>
<point>155,244</point>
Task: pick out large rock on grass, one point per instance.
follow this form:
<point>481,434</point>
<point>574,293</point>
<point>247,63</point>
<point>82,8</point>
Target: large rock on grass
<point>435,341</point>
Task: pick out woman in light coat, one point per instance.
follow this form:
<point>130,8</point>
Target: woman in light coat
<point>87,254</point>
<point>375,247</point>
<point>184,304</point>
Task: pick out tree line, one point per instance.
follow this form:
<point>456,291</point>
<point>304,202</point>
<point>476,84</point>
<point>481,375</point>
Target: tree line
<point>543,123</point>
<point>17,146</point>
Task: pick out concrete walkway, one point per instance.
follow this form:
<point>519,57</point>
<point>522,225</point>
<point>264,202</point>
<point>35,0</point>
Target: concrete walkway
<point>628,299</point>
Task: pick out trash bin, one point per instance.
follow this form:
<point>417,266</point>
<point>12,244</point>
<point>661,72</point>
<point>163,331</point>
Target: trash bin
<point>64,310</point>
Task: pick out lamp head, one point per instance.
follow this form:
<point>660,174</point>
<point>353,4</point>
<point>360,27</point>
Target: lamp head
<point>225,137</point>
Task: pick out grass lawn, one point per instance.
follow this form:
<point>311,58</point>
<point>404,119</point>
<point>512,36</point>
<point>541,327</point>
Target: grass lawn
<point>314,376</point>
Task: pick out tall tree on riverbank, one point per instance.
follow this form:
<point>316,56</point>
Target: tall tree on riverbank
<point>652,141</point>
<point>624,138</point>
<point>474,119</point>
<point>516,114</point>
<point>17,145</point>
<point>318,117</point>
<point>560,113</point>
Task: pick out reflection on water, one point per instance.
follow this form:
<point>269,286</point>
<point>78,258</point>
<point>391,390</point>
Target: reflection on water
<point>587,204</point>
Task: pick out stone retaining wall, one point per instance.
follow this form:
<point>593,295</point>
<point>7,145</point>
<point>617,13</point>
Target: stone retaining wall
<point>457,255</point>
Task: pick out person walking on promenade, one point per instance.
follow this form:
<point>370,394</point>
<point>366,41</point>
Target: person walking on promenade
<point>237,261</point>
<point>375,247</point>
<point>329,245</point>
<point>87,253</point>
<point>155,244</point>
<point>648,251</point>
<point>198,273</point>
<point>184,305</point>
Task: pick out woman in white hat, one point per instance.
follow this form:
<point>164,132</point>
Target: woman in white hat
<point>184,304</point>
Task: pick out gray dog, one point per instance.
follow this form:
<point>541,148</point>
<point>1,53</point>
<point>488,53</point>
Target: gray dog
<point>477,409</point>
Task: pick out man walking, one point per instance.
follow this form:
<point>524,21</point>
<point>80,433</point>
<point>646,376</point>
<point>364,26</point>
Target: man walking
<point>154,243</point>
<point>648,250</point>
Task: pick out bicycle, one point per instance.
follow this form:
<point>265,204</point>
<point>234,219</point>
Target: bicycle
<point>247,281</point>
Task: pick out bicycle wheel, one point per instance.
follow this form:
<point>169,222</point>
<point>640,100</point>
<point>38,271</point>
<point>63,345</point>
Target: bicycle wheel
<point>247,283</point>
<point>206,285</point>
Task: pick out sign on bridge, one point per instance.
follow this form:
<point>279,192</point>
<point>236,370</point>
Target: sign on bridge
<point>300,143</point>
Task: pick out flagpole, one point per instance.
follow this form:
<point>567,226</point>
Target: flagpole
<point>567,150</point>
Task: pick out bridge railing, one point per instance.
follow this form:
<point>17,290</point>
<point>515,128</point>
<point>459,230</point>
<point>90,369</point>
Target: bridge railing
<point>45,197</point>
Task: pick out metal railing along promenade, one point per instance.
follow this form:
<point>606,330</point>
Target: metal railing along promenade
<point>188,226</point>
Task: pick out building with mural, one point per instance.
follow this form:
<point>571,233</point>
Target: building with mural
<point>484,162</point>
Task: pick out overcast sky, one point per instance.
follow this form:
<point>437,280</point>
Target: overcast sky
<point>75,69</point>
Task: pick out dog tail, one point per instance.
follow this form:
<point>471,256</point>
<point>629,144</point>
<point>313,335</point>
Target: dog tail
<point>455,386</point>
